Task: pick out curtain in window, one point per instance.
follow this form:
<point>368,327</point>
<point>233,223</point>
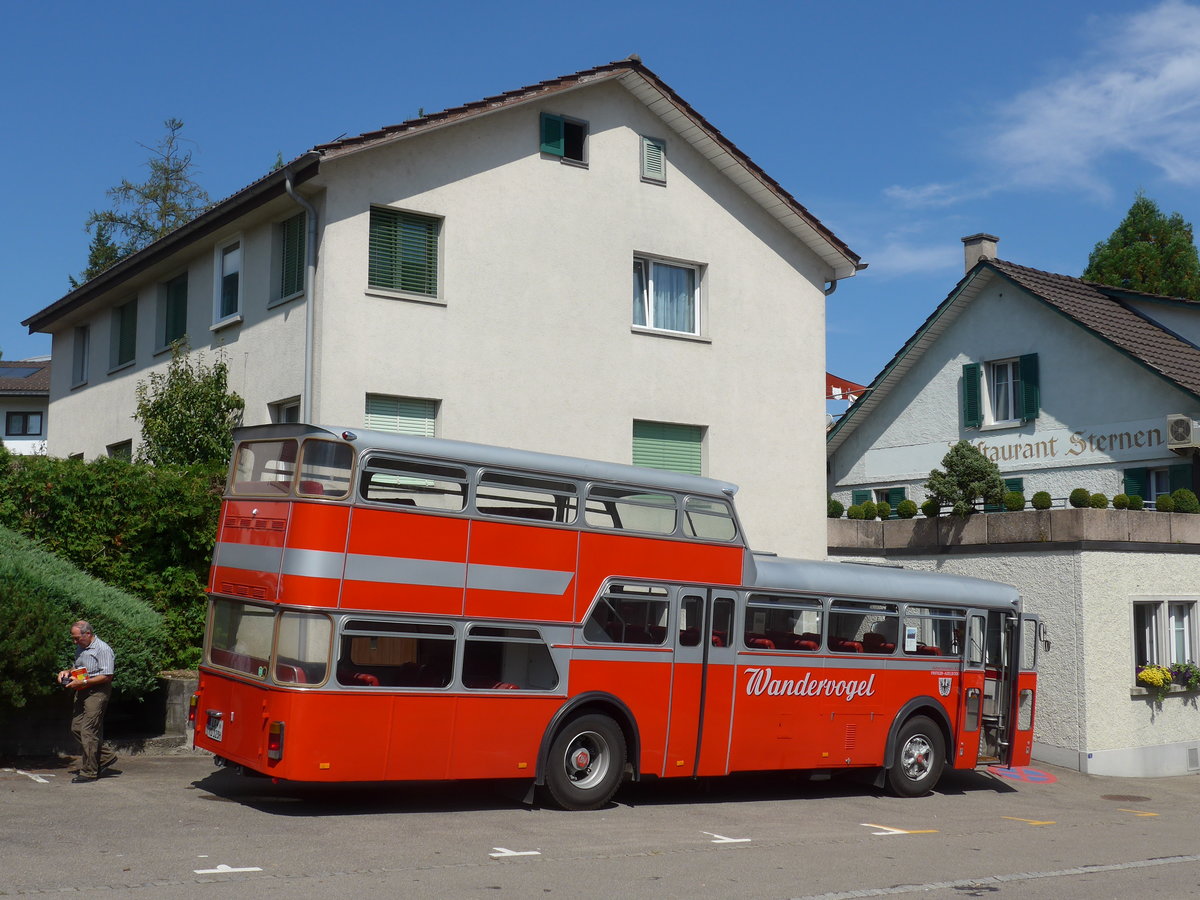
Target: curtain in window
<point>674,298</point>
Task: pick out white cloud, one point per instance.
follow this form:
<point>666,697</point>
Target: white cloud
<point>897,258</point>
<point>1135,93</point>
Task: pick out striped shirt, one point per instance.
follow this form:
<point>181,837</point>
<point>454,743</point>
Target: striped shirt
<point>97,656</point>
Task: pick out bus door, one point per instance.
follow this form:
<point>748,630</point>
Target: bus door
<point>703,684</point>
<point>966,754</point>
<point>1025,691</point>
<point>1000,665</point>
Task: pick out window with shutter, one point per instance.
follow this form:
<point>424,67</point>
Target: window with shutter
<point>172,311</point>
<point>124,334</point>
<point>662,445</point>
<point>402,415</point>
<point>403,251</point>
<point>654,160</point>
<point>564,137</point>
<point>858,498</point>
<point>292,259</point>
<point>1031,399</point>
<point>1136,483</point>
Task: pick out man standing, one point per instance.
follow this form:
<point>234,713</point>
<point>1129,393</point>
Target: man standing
<point>92,692</point>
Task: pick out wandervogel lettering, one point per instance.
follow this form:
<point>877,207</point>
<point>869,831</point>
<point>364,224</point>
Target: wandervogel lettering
<point>761,681</point>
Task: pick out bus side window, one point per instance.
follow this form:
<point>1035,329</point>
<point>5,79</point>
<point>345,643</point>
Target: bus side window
<point>782,623</point>
<point>691,620</point>
<point>403,482</point>
<point>629,614</point>
<point>722,630</point>
<point>396,654</point>
<point>499,658</point>
<point>513,496</point>
<point>631,509</point>
<point>975,647</point>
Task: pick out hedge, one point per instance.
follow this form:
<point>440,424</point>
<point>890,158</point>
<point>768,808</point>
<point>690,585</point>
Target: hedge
<point>37,584</point>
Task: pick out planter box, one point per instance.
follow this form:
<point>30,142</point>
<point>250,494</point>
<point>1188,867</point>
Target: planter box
<point>1091,525</point>
<point>911,534</point>
<point>1025,527</point>
<point>1185,528</point>
<point>955,530</point>
<point>857,533</point>
<point>1147,526</point>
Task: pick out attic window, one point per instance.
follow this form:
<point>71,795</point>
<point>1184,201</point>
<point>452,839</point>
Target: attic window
<point>564,138</point>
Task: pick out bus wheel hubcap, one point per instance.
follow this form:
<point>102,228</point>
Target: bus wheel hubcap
<point>916,757</point>
<point>586,760</point>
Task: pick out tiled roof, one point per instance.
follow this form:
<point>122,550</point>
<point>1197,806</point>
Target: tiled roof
<point>1104,312</point>
<point>25,377</point>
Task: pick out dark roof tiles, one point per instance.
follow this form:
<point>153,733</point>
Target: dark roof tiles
<point>17,379</point>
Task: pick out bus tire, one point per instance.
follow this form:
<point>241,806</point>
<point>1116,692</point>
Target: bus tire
<point>586,763</point>
<point>920,757</point>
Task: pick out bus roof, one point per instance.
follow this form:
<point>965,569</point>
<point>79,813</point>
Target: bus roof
<point>501,457</point>
<point>845,579</point>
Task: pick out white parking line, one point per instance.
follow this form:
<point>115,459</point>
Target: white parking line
<point>721,839</point>
<point>503,851</point>
<point>224,869</point>
<point>38,778</point>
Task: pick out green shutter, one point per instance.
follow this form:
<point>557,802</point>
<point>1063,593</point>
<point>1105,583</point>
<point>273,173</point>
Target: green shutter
<point>654,159</point>
<point>403,252</point>
<point>1135,483</point>
<point>292,257</point>
<point>894,496</point>
<point>402,415</point>
<point>1031,395</point>
<point>552,135</point>
<point>972,401</point>
<point>175,309</point>
<point>858,498</point>
<point>660,445</point>
<point>126,325</point>
<point>1010,484</point>
<point>1180,476</point>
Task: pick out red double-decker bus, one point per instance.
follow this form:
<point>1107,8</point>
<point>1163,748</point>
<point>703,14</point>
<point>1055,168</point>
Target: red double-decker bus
<point>387,607</point>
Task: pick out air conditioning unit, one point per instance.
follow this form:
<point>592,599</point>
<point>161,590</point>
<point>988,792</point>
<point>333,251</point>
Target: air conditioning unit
<point>1182,432</point>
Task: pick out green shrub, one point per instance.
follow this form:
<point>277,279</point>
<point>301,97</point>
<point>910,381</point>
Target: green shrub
<point>1041,500</point>
<point>1121,501</point>
<point>835,509</point>
<point>1014,501</point>
<point>883,509</point>
<point>61,593</point>
<point>31,638</point>
<point>855,511</point>
<point>870,510</point>
<point>1098,501</point>
<point>906,509</point>
<point>931,508</point>
<point>1164,503</point>
<point>1185,501</point>
<point>966,476</point>
<point>1081,498</point>
<point>1136,501</point>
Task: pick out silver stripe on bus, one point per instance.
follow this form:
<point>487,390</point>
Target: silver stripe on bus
<point>393,570</point>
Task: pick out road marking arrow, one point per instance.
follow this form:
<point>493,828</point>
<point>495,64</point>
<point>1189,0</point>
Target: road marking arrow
<point>1028,821</point>
<point>721,839</point>
<point>889,830</point>
<point>224,870</point>
<point>503,851</point>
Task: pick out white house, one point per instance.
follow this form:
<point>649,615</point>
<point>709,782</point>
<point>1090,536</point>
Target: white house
<point>583,266</point>
<point>24,398</point>
<point>1064,384</point>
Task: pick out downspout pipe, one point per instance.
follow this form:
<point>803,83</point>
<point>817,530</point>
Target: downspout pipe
<point>310,281</point>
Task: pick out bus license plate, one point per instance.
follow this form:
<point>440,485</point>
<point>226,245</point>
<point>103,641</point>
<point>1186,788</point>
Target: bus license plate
<point>214,727</point>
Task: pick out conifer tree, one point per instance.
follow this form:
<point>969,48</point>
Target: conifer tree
<point>1148,252</point>
<point>102,253</point>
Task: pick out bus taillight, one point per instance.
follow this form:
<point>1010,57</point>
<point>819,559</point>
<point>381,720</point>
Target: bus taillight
<point>275,741</point>
<point>193,704</point>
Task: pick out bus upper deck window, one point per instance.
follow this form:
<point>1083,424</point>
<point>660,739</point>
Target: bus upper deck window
<point>263,468</point>
<point>325,469</point>
<point>708,519</point>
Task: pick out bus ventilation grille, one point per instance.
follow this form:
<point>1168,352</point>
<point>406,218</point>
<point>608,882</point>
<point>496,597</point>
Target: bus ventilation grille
<point>851,736</point>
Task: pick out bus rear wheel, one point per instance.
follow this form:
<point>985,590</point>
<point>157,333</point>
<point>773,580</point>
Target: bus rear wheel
<point>920,757</point>
<point>586,763</point>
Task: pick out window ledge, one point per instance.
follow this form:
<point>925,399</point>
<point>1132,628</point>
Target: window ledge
<point>1002,426</point>
<point>675,335</point>
<point>279,301</point>
<point>124,365</point>
<point>385,294</point>
<point>228,322</point>
<point>1137,691</point>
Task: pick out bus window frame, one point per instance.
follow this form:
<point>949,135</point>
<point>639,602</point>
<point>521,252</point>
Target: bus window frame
<point>367,466</point>
<point>764,600</point>
<point>298,476</point>
<point>489,514</point>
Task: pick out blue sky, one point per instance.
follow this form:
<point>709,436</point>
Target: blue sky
<point>902,126</point>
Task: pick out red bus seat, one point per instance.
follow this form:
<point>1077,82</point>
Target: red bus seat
<point>929,651</point>
<point>805,645</point>
<point>760,643</point>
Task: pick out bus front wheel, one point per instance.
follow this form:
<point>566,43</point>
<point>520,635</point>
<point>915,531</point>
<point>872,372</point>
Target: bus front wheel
<point>586,763</point>
<point>920,756</point>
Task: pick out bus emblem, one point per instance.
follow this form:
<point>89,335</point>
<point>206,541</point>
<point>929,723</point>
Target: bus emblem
<point>944,687</point>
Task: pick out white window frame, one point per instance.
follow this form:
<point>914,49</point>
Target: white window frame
<point>1012,366</point>
<point>219,255</point>
<point>285,411</point>
<point>647,264</point>
<point>1158,482</point>
<point>1164,630</point>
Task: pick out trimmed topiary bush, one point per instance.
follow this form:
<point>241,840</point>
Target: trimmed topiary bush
<point>1081,498</point>
<point>1014,501</point>
<point>835,509</point>
<point>1041,500</point>
<point>854,512</point>
<point>870,510</point>
<point>1121,501</point>
<point>883,509</point>
<point>1136,501</point>
<point>906,509</point>
<point>1185,501</point>
<point>931,508</point>
<point>1164,503</point>
<point>1098,501</point>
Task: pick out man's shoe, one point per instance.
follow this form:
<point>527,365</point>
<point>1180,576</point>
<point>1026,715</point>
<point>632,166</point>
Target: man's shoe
<point>105,765</point>
<point>82,779</point>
